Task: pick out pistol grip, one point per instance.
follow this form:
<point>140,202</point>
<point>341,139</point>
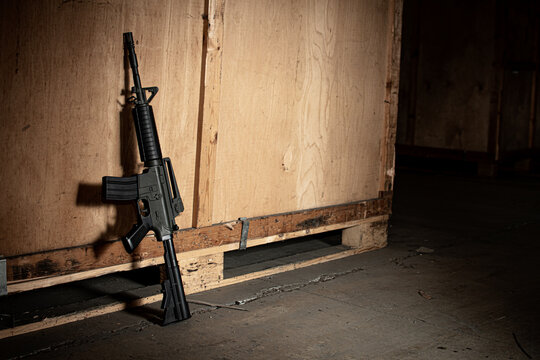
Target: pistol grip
<point>135,236</point>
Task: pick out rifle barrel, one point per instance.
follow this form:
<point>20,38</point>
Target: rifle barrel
<point>129,45</point>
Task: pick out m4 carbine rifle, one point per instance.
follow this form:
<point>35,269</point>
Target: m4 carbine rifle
<point>154,191</point>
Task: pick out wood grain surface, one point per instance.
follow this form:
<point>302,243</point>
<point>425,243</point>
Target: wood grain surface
<point>63,122</point>
<point>302,105</point>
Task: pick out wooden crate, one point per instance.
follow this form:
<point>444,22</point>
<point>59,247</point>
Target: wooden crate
<point>280,112</point>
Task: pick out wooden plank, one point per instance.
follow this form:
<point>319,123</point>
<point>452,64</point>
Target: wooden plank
<point>536,139</point>
<point>408,85</point>
<point>532,110</point>
<point>83,258</point>
<point>199,272</point>
<point>534,90</point>
<point>293,266</point>
<point>520,28</point>
<point>20,286</point>
<point>66,319</point>
<point>515,112</point>
<point>302,95</point>
<point>367,235</point>
<point>496,84</point>
<point>64,126</point>
<point>281,237</point>
<point>455,75</point>
<point>107,309</point>
<point>198,268</point>
<point>518,95</point>
<point>388,140</point>
<point>207,137</point>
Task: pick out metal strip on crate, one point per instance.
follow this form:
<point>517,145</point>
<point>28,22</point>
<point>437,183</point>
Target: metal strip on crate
<point>3,276</point>
<point>244,235</point>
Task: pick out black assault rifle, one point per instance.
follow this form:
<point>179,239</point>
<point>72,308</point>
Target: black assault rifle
<point>154,191</point>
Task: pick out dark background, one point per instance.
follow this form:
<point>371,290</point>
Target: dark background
<point>469,85</point>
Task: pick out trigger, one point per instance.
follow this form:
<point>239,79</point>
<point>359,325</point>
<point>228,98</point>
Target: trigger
<point>143,208</point>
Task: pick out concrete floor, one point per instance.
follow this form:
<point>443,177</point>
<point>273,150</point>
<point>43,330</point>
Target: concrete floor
<point>476,296</point>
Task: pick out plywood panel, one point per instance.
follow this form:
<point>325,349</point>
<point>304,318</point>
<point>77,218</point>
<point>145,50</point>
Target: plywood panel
<point>409,73</point>
<point>536,124</point>
<point>455,67</point>
<point>63,124</point>
<point>302,105</point>
<point>521,31</point>
<point>521,36</point>
<point>515,111</point>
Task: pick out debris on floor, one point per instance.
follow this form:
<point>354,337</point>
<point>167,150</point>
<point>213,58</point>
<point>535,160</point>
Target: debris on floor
<point>424,250</point>
<point>425,295</point>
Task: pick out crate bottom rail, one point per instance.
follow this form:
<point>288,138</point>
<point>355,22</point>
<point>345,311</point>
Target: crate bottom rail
<point>49,268</point>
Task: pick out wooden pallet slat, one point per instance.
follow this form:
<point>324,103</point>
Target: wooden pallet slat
<point>79,259</point>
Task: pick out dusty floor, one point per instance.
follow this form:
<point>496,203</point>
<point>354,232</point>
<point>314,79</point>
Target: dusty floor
<point>476,296</point>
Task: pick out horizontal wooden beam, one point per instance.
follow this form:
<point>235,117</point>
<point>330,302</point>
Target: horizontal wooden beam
<point>109,254</point>
<point>21,286</point>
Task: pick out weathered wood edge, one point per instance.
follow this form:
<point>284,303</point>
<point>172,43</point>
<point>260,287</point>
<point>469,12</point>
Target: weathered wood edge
<point>106,254</point>
<point>395,12</point>
<point>209,110</point>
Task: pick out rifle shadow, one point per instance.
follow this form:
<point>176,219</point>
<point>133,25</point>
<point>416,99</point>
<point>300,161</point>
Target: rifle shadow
<point>145,278</point>
<point>90,194</point>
